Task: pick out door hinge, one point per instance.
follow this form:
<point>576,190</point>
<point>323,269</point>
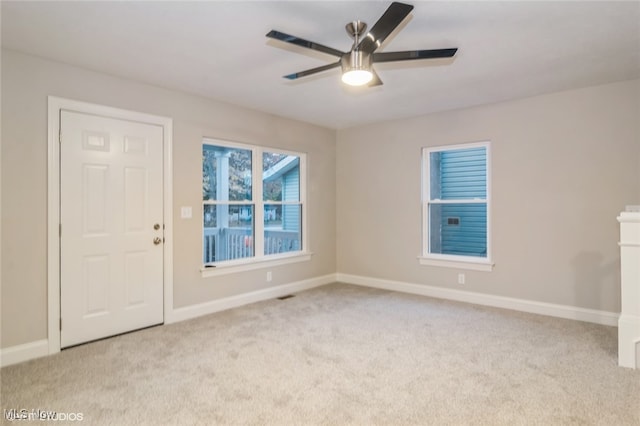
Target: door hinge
<point>60,137</point>
<point>60,324</point>
<point>60,230</point>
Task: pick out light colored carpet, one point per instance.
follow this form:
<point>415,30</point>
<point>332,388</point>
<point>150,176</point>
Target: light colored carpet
<point>336,355</point>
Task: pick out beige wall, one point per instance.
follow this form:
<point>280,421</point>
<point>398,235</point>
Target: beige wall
<point>564,166</point>
<point>26,83</point>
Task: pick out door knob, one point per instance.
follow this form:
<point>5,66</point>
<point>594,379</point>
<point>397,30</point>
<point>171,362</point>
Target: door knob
<point>156,226</point>
<point>157,240</point>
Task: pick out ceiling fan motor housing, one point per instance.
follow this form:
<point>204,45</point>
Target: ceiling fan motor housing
<point>355,60</point>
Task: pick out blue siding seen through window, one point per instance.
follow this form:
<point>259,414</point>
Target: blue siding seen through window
<point>459,174</point>
<point>291,192</point>
<point>458,228</point>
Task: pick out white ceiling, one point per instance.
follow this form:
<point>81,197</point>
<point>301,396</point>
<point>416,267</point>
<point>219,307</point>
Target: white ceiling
<point>218,49</point>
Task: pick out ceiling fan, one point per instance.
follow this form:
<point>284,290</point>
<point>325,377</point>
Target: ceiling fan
<point>357,64</point>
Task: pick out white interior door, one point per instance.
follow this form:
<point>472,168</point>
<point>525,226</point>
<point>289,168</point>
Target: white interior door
<point>111,214</point>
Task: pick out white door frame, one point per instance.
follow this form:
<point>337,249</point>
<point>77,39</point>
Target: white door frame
<point>55,104</point>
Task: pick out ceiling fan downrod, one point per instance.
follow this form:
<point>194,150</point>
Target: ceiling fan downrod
<point>355,29</point>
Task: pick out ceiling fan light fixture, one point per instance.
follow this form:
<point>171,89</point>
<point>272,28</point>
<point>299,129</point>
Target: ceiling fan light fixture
<point>357,77</point>
<point>356,68</point>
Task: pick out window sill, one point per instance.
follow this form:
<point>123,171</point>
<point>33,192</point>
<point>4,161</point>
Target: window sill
<point>458,263</point>
<point>251,264</point>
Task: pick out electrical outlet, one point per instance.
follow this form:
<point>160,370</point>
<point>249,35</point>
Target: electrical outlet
<point>460,278</point>
<point>269,277</point>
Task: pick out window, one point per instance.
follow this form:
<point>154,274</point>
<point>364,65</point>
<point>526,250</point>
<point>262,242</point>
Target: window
<point>456,206</point>
<point>252,203</point>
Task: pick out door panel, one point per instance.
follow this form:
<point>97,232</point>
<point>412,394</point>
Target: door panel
<point>111,272</point>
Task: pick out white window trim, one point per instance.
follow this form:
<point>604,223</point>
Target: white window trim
<point>259,261</point>
<point>250,264</point>
<point>457,262</point>
<point>451,261</point>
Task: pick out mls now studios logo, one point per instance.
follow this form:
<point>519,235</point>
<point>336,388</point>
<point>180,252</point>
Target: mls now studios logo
<point>15,414</point>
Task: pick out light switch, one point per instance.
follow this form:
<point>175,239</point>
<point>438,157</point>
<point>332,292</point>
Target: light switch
<point>185,212</point>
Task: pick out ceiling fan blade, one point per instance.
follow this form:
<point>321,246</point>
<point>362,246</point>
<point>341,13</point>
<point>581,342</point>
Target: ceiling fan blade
<point>375,81</point>
<point>413,54</point>
<point>315,70</point>
<point>388,22</point>
<point>303,43</point>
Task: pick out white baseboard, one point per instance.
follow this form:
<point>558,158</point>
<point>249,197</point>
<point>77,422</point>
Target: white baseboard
<point>24,352</point>
<point>194,311</point>
<point>549,309</point>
